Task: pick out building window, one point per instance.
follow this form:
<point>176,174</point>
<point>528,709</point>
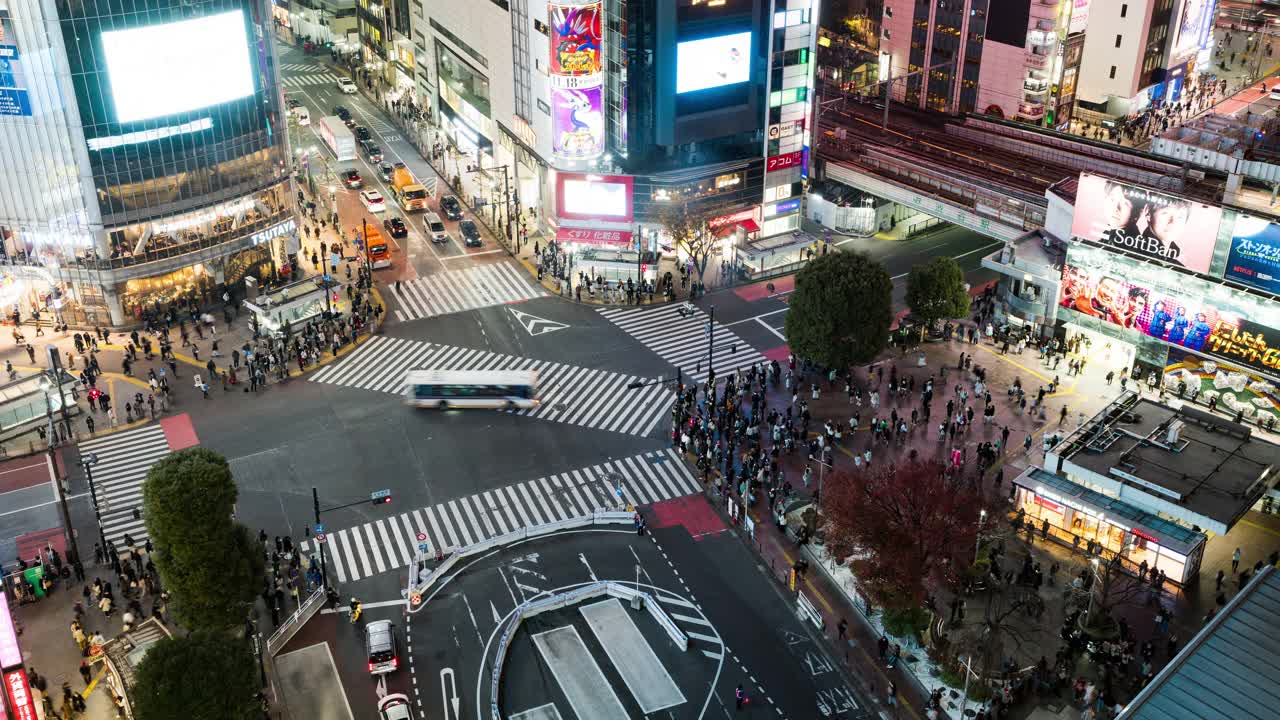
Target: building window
<point>1118,40</point>
<point>1113,72</point>
<point>1124,9</point>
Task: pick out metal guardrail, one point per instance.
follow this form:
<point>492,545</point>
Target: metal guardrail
<point>559,601</point>
<point>295,621</point>
<point>422,585</point>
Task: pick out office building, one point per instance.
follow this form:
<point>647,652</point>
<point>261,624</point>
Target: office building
<point>136,172</point>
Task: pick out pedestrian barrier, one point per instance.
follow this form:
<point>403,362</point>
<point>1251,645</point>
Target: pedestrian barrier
<point>559,601</point>
<point>418,584</point>
<point>295,621</point>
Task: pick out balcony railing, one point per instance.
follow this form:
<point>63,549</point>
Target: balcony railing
<point>91,261</point>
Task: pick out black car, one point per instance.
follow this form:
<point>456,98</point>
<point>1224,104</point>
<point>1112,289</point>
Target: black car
<point>351,178</point>
<point>451,208</point>
<point>362,132</point>
<point>470,233</point>
<point>395,227</point>
<point>341,112</point>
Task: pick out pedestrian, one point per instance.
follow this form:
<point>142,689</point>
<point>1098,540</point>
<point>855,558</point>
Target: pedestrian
<point>842,628</point>
<point>739,697</point>
<point>882,645</point>
<point>85,673</point>
<point>1235,561</point>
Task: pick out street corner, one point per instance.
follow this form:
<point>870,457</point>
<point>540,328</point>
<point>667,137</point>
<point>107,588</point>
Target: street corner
<point>558,616</point>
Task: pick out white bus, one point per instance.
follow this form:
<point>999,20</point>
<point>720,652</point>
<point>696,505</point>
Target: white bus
<point>472,389</point>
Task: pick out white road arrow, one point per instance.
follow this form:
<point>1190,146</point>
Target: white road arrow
<point>381,689</point>
<point>535,325</point>
<point>449,693</point>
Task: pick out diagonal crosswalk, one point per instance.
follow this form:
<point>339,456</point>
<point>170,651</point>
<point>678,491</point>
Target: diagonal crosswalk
<point>123,461</point>
<point>586,397</point>
<point>300,81</point>
<point>682,341</point>
<point>460,290</point>
<point>389,544</point>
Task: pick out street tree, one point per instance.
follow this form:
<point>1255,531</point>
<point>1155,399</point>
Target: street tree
<point>936,291</point>
<point>209,564</point>
<point>908,528</point>
<point>203,676</point>
<point>840,311</point>
<point>690,233</point>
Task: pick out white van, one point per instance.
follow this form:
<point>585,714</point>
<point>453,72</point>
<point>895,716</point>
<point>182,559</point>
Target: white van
<point>302,115</point>
<point>436,228</point>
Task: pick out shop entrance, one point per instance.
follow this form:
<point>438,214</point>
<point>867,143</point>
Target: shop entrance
<point>1102,353</point>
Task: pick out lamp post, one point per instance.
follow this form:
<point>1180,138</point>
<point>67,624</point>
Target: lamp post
<point>977,542</point>
<point>87,462</point>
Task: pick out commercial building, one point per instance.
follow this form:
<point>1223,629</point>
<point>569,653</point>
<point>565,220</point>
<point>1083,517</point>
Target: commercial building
<point>593,118</point>
<point>1014,59</point>
<point>1141,52</point>
<point>136,173</point>
<point>324,22</point>
<point>1150,482</point>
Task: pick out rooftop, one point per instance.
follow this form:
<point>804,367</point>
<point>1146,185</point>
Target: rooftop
<point>1229,669</point>
<point>1206,464</point>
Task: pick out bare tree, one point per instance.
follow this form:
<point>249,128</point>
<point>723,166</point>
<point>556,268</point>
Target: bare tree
<point>690,232</point>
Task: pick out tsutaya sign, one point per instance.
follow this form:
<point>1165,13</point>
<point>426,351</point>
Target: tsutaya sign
<point>285,228</point>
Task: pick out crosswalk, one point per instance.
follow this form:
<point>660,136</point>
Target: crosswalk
<point>597,399</point>
<point>123,461</point>
<point>389,544</point>
<point>298,67</point>
<point>682,341</point>
<point>456,291</point>
<point>301,81</point>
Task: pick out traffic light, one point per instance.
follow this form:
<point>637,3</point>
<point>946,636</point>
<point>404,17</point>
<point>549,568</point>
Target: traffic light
<point>380,497</point>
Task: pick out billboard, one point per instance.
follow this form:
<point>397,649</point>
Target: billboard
<point>1194,22</point>
<point>577,120</point>
<point>594,197</point>
<point>1175,230</point>
<point>14,97</point>
<point>160,70</point>
<point>1079,16</point>
<point>713,62</point>
<point>1255,253</point>
<point>1188,312</point>
<point>575,38</point>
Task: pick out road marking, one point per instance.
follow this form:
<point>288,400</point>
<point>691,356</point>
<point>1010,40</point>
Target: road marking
<point>757,317</point>
<point>771,329</point>
<point>535,325</point>
<point>984,248</point>
<point>473,254</point>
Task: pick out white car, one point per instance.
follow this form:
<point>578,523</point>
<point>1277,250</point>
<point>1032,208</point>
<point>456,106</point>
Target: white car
<point>395,707</point>
<point>346,86</point>
<point>373,201</point>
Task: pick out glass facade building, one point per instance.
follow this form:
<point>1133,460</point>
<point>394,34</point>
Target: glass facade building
<point>134,172</point>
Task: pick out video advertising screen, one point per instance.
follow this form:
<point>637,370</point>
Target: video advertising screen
<point>595,197</point>
<point>1175,230</point>
<point>713,62</point>
<point>161,70</point>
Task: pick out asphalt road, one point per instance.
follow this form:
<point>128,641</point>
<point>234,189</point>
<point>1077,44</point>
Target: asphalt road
<point>456,477</point>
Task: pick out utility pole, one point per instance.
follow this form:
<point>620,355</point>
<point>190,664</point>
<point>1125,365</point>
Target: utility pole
<point>711,356</point>
<point>87,462</point>
<point>315,506</point>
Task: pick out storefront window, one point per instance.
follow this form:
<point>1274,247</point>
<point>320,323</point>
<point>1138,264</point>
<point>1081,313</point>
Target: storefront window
<point>144,296</point>
<point>172,233</point>
<point>453,72</point>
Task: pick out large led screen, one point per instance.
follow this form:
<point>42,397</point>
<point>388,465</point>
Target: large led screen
<point>575,38</point>
<point>1193,24</point>
<point>1167,228</point>
<point>594,197</point>
<point>1255,253</point>
<point>1185,311</point>
<point>713,62</point>
<point>161,70</point>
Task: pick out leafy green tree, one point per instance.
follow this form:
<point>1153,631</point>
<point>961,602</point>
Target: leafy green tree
<point>204,676</point>
<point>209,564</point>
<point>936,290</point>
<point>840,310</point>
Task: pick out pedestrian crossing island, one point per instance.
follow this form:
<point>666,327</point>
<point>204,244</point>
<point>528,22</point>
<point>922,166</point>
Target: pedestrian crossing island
<point>389,544</point>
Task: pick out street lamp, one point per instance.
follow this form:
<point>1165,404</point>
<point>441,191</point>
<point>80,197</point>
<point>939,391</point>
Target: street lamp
<point>977,542</point>
<point>87,462</point>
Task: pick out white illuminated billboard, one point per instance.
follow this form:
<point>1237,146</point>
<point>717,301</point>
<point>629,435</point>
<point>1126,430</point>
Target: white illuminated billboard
<point>713,62</point>
<point>176,67</point>
<point>595,198</point>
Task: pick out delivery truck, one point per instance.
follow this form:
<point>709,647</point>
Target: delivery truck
<point>411,195</point>
<point>337,138</point>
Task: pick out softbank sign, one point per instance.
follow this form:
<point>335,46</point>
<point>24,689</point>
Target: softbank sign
<point>1171,229</point>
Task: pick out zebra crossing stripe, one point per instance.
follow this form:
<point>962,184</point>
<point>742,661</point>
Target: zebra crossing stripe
<point>300,81</point>
<point>457,291</point>
<point>682,341</point>
<point>585,397</point>
<point>389,543</point>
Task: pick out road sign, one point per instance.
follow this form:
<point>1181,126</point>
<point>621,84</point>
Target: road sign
<point>319,528</point>
<point>377,495</point>
<point>415,599</point>
<point>422,547</point>
<point>422,537</point>
<point>320,537</point>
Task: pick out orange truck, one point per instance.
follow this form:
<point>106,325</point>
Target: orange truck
<point>374,246</point>
<point>411,195</point>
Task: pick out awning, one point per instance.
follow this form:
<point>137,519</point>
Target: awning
<point>749,225</point>
<point>593,236</point>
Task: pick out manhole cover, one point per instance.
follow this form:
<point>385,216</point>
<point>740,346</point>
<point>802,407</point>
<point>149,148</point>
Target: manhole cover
<point>561,407</point>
